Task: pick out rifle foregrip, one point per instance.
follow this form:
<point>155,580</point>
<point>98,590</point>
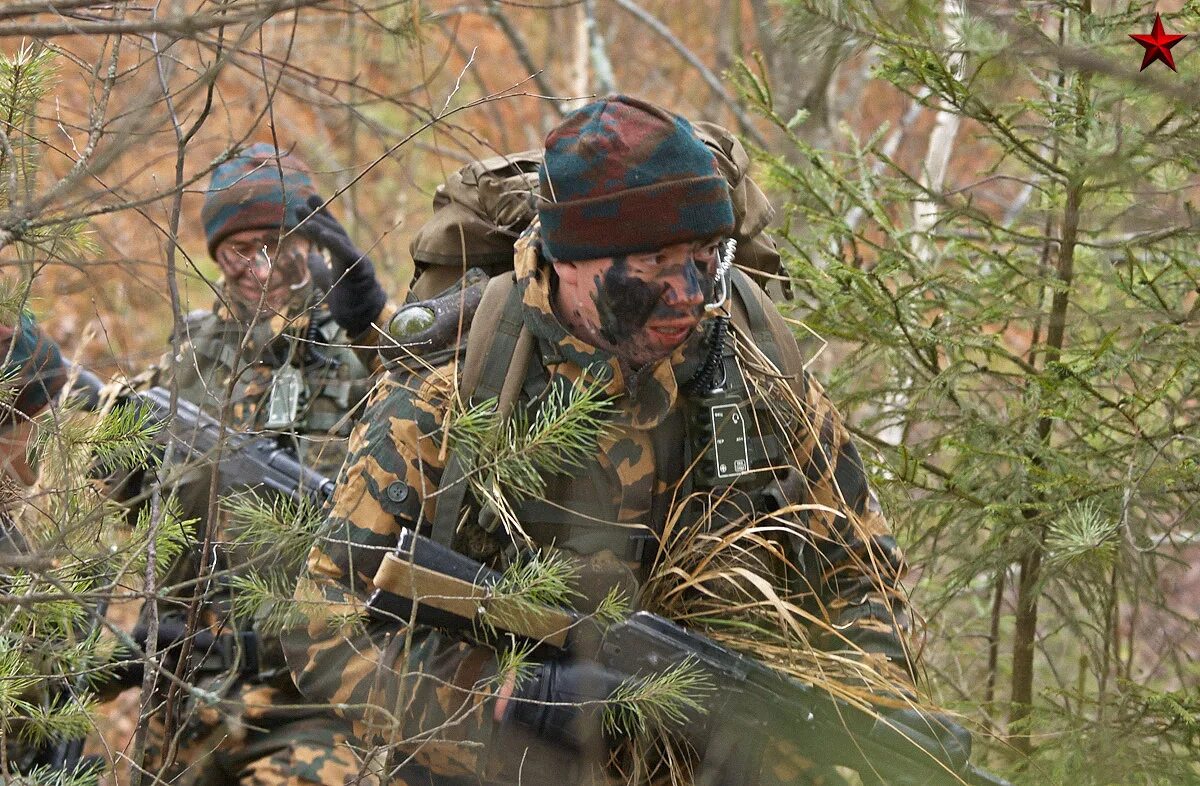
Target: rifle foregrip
<point>459,593</point>
<point>247,461</point>
<point>454,592</point>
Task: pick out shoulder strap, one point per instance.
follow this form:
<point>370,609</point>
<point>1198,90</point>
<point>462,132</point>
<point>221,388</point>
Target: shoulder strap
<point>770,333</point>
<point>492,339</point>
<point>499,348</point>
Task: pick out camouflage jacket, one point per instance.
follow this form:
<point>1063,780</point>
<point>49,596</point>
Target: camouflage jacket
<point>428,691</point>
<point>227,368</point>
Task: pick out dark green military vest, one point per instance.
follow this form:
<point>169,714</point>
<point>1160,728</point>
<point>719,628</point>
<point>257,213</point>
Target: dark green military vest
<point>231,377</point>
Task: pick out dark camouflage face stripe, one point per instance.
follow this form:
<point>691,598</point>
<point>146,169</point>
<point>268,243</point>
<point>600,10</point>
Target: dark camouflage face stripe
<point>428,693</point>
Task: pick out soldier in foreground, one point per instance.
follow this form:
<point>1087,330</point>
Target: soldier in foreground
<point>270,357</point>
<point>609,293</point>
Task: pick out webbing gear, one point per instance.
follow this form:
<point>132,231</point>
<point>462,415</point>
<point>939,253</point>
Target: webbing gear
<point>491,361</point>
<point>497,363</point>
<point>732,439</point>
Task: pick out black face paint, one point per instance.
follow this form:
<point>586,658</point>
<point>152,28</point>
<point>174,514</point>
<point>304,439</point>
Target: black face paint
<point>698,282</point>
<point>625,303</point>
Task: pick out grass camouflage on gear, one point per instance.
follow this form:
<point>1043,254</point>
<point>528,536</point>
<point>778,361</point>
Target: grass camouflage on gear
<point>622,176</point>
<point>33,368</point>
<point>429,695</point>
<point>259,188</point>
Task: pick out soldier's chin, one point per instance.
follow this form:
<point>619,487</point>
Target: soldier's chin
<point>255,300</point>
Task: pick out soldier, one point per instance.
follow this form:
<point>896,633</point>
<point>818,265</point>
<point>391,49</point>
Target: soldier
<point>269,357</point>
<point>34,373</point>
<point>610,288</point>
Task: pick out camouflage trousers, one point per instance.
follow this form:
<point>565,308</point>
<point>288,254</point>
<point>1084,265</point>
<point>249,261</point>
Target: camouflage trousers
<point>256,736</point>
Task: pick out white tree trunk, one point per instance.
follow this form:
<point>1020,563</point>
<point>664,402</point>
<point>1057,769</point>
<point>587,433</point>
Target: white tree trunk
<point>580,73</point>
<point>925,211</point>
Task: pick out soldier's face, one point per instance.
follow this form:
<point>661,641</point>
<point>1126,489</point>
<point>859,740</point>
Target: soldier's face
<point>259,268</point>
<point>640,307</point>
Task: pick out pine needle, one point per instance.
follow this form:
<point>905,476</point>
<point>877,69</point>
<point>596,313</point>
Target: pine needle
<point>275,522</point>
<point>172,538</point>
<point>660,702</point>
<point>1084,537</point>
<point>505,459</point>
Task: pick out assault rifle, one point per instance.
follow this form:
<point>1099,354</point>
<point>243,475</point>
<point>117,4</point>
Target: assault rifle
<point>248,461</point>
<point>452,591</point>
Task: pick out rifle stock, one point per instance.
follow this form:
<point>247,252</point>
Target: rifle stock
<point>451,591</point>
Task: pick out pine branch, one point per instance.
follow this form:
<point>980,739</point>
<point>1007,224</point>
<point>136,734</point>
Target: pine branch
<point>659,702</point>
<point>505,458</point>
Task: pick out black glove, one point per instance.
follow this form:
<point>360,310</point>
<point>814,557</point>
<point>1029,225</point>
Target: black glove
<point>563,703</point>
<point>733,755</point>
<point>356,297</point>
<point>129,661</point>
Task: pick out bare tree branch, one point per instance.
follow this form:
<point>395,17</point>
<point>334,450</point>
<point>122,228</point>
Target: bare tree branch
<point>648,19</point>
<point>182,25</point>
<point>606,82</point>
<point>522,51</point>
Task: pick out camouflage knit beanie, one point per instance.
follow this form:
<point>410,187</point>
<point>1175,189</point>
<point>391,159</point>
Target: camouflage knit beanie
<point>32,367</point>
<point>622,176</point>
<point>257,189</point>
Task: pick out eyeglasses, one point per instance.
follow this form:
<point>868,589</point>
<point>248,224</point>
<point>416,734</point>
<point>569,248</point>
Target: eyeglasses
<point>262,254</point>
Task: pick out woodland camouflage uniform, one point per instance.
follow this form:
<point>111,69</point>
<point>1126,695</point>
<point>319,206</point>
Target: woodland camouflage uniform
<point>262,731</point>
<point>430,692</point>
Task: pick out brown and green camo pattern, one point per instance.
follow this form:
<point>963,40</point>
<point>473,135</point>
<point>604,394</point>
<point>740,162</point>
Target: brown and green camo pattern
<point>429,693</point>
<point>261,731</point>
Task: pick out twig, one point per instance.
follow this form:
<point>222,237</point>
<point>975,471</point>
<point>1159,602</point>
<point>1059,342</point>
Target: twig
<point>648,19</point>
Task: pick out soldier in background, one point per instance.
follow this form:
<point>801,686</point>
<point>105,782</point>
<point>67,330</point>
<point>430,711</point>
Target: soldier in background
<point>33,374</point>
<point>271,358</point>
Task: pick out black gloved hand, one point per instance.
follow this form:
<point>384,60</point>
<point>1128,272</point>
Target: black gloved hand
<point>356,297</point>
<point>732,756</point>
<point>168,646</point>
<point>563,703</point>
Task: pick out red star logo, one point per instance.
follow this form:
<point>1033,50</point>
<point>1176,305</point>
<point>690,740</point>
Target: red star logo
<point>1158,44</point>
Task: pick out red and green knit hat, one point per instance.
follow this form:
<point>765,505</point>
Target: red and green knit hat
<point>622,176</point>
<point>258,189</point>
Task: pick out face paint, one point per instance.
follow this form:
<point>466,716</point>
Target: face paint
<point>639,307</point>
<point>261,272</point>
<point>624,302</point>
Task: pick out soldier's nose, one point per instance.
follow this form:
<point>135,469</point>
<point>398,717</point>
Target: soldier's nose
<point>684,289</point>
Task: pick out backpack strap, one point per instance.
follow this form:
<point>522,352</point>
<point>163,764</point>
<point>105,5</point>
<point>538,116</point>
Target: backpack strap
<point>754,310</point>
<point>499,349</point>
<point>499,326</point>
